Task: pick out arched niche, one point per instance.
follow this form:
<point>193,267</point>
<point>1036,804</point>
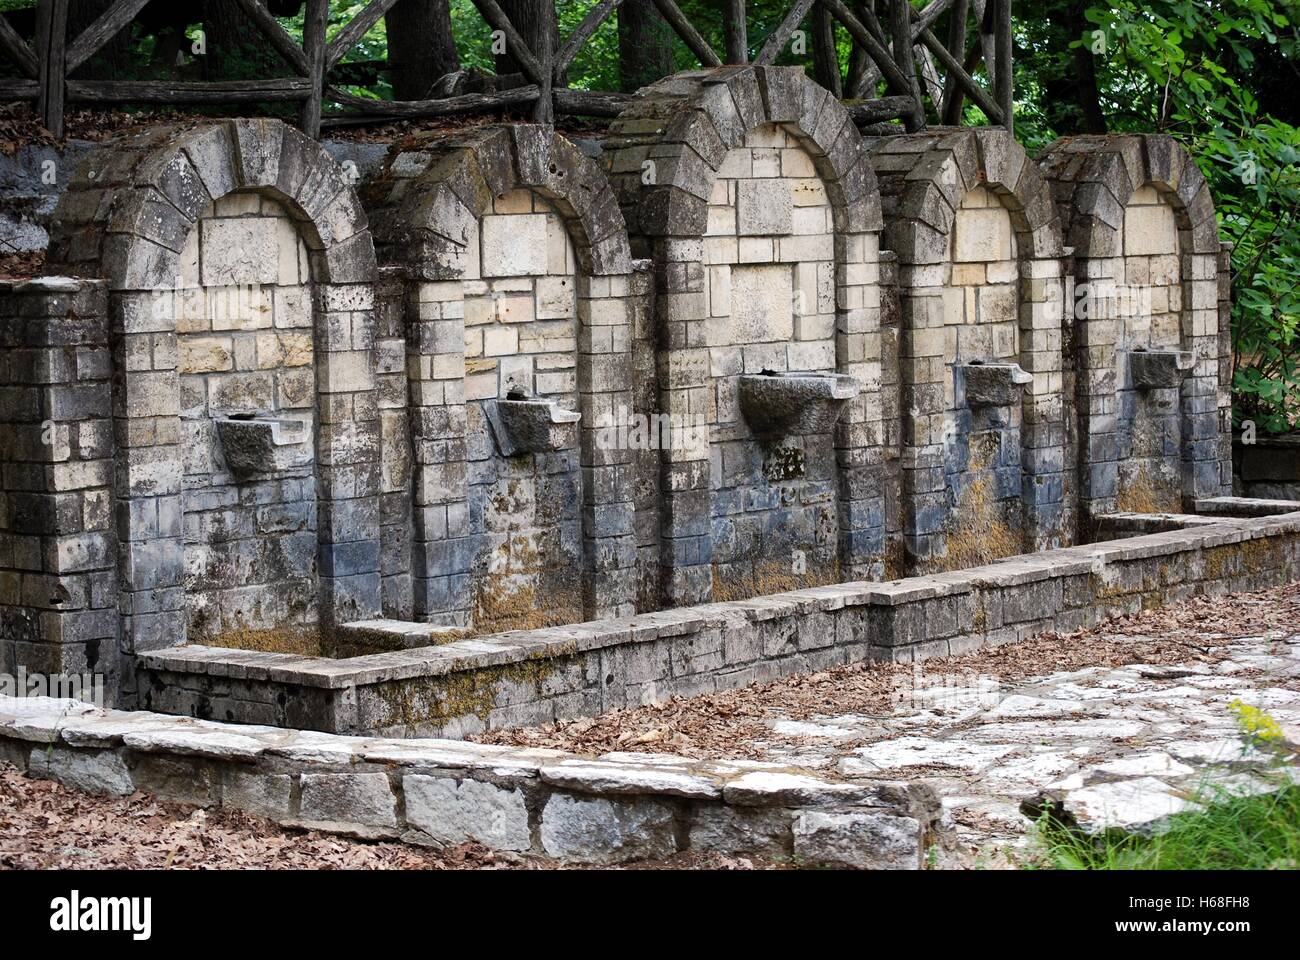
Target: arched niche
<point>748,188</point>
<point>240,267</point>
<point>519,281</point>
<point>981,296</point>
<point>1149,323</point>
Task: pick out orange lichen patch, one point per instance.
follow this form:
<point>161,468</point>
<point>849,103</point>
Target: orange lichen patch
<point>301,640</point>
<point>502,603</point>
<point>769,578</point>
<point>1139,492</point>
<point>978,531</point>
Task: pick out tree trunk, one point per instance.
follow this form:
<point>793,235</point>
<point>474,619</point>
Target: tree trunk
<point>645,45</point>
<point>537,24</point>
<point>420,46</point>
<point>1071,99</point>
<point>236,48</point>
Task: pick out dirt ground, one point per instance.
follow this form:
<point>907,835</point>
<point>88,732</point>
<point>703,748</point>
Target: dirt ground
<point>730,723</point>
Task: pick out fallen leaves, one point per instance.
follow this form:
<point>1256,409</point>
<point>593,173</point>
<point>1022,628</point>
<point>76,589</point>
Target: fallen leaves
<point>734,723</point>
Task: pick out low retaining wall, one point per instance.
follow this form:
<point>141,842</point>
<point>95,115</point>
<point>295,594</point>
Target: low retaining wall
<point>616,808</point>
<point>536,676</point>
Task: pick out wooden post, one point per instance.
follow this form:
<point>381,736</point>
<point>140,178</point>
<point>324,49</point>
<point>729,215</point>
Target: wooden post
<point>736,30</point>
<point>826,55</point>
<point>901,21</point>
<point>544,108</point>
<point>52,51</point>
<point>313,45</point>
<point>1002,43</point>
<point>950,114</point>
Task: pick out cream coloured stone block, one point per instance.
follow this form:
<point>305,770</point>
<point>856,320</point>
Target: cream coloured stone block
<point>810,220</point>
<point>755,250</point>
<point>555,298</point>
<point>189,272</point>
<point>808,193</point>
<point>514,246</point>
<point>767,162</point>
<point>820,246</point>
<point>720,194</point>
<point>513,202</point>
<point>967,274</point>
<point>719,291</point>
<point>721,250</point>
<point>1149,230</point>
<point>518,308</point>
<point>761,301</point>
<point>286,238</point>
<point>500,341</point>
<point>239,251</point>
<point>720,222</point>
<point>480,309</point>
<point>559,248</point>
<point>763,207</point>
<point>981,234</point>
<point>736,164</point>
<point>795,162</point>
<point>237,205</point>
<point>204,354</point>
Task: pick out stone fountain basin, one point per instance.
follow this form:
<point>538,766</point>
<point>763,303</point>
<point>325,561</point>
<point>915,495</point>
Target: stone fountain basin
<point>786,404</point>
<point>1153,369</point>
<point>262,444</point>
<point>994,384</point>
<point>531,425</point>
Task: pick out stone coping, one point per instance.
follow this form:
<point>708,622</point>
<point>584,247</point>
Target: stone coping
<point>1245,507</point>
<point>524,645</point>
<point>603,809</point>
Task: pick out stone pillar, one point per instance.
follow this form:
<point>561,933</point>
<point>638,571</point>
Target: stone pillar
<point>58,546</point>
<point>442,548</point>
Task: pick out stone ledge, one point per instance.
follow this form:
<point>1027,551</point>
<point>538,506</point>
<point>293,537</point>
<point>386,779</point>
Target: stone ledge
<point>616,807</point>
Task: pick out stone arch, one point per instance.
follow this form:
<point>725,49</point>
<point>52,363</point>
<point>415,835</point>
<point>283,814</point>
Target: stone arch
<point>665,153</point>
<point>925,180</point>
<point>130,209</point>
<point>428,208</point>
<point>1100,182</point>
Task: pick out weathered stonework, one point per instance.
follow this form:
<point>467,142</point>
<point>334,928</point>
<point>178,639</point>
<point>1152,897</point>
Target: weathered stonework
<point>531,677</point>
<point>519,280</point>
<point>619,807</point>
<point>980,279</point>
<point>240,270</point>
<point>1149,274</point>
<point>748,188</point>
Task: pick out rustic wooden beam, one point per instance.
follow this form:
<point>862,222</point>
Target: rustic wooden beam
<point>19,90</point>
<point>515,45</point>
<point>882,108</point>
<point>277,89</point>
<point>444,107</point>
<point>349,36</point>
<point>18,51</point>
<point>544,106</point>
<point>900,22</point>
<point>895,77</point>
<point>106,26</point>
<point>826,54</point>
<point>735,30</point>
<point>271,29</point>
<point>925,19</point>
<point>690,36</point>
<point>930,80</point>
<point>954,105</point>
<point>314,20</point>
<point>52,48</point>
<point>581,34</point>
<point>985,11</point>
<point>590,103</point>
<point>963,79</point>
<point>956,47</point>
<point>779,37</point>
<point>1003,51</point>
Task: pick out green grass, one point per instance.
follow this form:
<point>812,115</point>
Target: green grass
<point>1259,832</point>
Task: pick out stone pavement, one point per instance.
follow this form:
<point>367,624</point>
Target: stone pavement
<point>1121,747</point>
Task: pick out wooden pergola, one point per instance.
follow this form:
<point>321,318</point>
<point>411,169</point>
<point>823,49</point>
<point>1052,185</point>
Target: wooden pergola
<point>897,48</point>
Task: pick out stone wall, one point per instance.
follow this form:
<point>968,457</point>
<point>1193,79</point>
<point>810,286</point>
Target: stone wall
<point>526,678</point>
<point>518,279</point>
<point>243,298</point>
<point>244,345</point>
<point>611,809</point>
<point>58,544</point>
<point>980,278</point>
<point>748,189</point>
<point>1150,274</point>
<point>136,213</point>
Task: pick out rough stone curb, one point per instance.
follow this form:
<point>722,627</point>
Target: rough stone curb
<point>619,807</point>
